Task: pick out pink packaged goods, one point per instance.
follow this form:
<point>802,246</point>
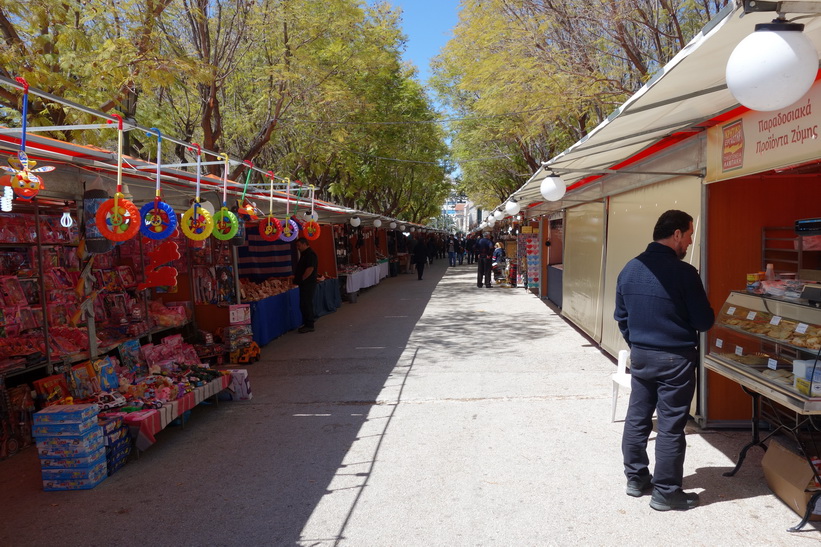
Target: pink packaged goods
<point>239,314</point>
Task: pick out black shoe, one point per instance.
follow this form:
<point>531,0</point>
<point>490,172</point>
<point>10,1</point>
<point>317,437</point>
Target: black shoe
<point>677,501</point>
<point>488,286</point>
<point>303,330</point>
<point>639,486</point>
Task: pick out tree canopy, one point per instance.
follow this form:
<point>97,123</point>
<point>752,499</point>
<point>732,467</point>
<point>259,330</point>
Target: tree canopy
<point>528,78</point>
<point>310,89</point>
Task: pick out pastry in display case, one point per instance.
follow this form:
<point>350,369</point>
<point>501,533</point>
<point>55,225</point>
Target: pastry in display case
<point>770,345</point>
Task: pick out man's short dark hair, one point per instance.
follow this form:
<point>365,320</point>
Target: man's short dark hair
<point>303,240</point>
<point>669,222</point>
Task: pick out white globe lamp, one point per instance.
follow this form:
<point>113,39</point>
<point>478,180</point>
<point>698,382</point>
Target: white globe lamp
<point>356,221</point>
<point>377,223</point>
<point>491,220</point>
<point>498,214</point>
<point>393,225</point>
<point>402,228</point>
<point>553,188</point>
<point>512,207</point>
<point>773,67</point>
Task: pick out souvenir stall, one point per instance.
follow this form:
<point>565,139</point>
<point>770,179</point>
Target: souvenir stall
<point>358,263</point>
<point>266,264</point>
<point>84,319</point>
<point>114,274</point>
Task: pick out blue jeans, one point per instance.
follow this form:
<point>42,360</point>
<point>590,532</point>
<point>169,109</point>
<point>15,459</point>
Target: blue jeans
<point>452,258</point>
<point>663,381</point>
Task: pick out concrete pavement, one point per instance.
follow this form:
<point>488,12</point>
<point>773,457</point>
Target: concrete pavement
<point>428,413</point>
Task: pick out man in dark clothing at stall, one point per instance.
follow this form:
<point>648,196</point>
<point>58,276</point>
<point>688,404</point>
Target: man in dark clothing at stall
<point>305,279</point>
<point>484,252</point>
<point>470,246</point>
<point>661,306</point>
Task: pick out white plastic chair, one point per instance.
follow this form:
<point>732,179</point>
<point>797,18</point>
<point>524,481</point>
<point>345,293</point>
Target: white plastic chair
<point>620,378</point>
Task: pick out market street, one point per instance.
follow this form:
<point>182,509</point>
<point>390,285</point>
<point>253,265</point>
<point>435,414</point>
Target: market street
<point>427,413</point>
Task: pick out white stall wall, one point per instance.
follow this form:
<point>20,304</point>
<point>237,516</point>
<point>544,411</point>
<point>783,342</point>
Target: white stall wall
<point>630,222</point>
<point>583,267</point>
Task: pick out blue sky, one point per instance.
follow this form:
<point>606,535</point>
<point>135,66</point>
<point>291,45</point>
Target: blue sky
<point>428,25</point>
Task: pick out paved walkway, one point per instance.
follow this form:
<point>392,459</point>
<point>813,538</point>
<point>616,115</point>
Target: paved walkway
<point>429,413</point>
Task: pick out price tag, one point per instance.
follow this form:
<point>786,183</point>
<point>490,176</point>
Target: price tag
<point>751,315</point>
<point>802,328</point>
<point>775,320</point>
<point>739,351</point>
<point>719,343</point>
<point>771,363</point>
<point>731,310</point>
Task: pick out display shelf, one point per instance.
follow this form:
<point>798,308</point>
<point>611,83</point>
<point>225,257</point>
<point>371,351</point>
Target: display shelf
<point>755,341</point>
<point>769,346</point>
<point>85,355</point>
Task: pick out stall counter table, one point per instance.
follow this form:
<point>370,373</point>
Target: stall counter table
<point>365,278</point>
<point>145,424</point>
<point>274,316</point>
<point>326,298</point>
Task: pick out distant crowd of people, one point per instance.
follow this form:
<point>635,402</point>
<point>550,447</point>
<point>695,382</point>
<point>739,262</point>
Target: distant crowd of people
<point>458,249</point>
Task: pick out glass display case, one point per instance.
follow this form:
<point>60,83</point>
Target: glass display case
<point>770,346</point>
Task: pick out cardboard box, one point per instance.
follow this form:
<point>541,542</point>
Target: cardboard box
<point>788,475</point>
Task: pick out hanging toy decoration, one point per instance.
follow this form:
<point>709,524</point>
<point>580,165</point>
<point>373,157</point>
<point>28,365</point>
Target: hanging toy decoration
<point>290,229</point>
<point>118,219</point>
<point>270,228</point>
<point>197,223</point>
<point>24,183</point>
<point>311,228</point>
<point>225,222</point>
<point>158,218</point>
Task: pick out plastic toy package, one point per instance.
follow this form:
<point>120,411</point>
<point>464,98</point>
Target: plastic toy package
<point>70,446</point>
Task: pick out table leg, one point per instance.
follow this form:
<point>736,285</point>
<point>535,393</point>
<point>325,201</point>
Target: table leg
<point>756,440</point>
<point>807,513</point>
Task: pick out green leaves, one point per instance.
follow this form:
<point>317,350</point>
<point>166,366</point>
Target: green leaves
<point>534,76</point>
<point>244,77</point>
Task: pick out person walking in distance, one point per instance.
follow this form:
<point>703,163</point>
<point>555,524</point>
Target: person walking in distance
<point>305,279</point>
<point>420,257</point>
<point>661,306</point>
<point>484,251</point>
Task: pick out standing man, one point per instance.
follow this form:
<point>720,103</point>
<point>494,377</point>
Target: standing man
<point>661,306</point>
<point>484,251</point>
<point>305,279</point>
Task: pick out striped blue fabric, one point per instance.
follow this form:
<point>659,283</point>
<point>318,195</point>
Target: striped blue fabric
<point>260,259</point>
